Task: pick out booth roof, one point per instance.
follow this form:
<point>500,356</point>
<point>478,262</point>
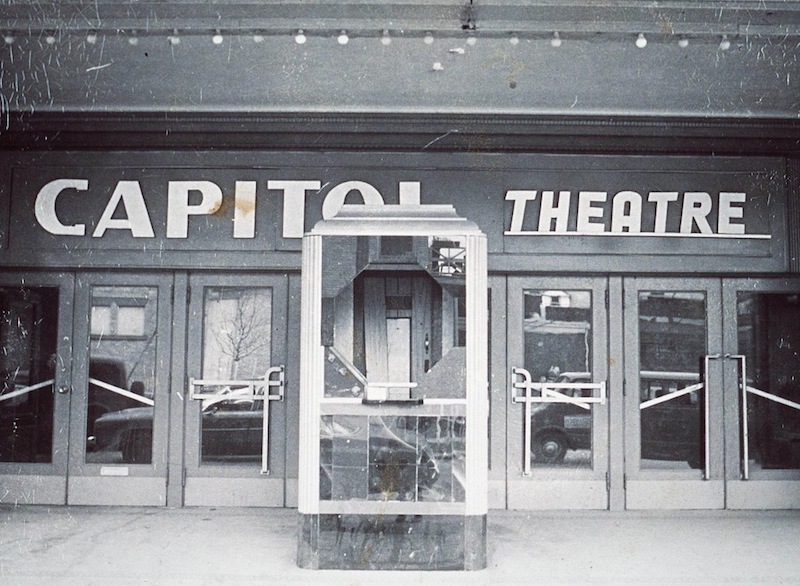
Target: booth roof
<point>396,220</point>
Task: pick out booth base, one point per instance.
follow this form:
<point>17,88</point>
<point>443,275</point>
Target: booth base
<point>392,542</point>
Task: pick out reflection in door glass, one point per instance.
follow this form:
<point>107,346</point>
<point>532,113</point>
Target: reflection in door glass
<point>122,374</point>
<point>558,342</point>
<point>237,343</point>
<point>672,343</point>
<point>769,338</point>
<point>28,333</point>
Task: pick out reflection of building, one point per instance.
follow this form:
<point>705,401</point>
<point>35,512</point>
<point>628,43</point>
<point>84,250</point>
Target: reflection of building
<point>640,228</point>
<point>123,327</point>
<point>557,332</point>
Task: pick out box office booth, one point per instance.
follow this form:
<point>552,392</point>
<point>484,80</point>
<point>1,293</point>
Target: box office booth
<point>393,391</point>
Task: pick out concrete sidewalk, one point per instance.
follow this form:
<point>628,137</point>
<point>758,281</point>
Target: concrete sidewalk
<point>110,546</point>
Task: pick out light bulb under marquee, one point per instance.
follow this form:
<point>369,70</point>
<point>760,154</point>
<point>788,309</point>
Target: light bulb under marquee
<point>385,37</point>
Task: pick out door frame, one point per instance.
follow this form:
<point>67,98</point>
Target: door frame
<point>120,484</point>
<point>674,489</point>
<point>498,393</point>
<point>226,484</point>
<point>554,488</point>
<point>46,483</point>
<point>776,489</point>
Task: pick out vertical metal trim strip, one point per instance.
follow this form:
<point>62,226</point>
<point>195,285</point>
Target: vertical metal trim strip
<point>477,441</point>
<point>311,375</point>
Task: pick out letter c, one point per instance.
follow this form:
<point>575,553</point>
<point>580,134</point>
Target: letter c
<point>45,207</point>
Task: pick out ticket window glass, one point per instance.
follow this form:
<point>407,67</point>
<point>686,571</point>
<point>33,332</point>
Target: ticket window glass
<point>393,454</point>
<point>395,337</point>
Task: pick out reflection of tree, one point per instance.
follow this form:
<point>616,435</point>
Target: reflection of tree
<point>243,328</point>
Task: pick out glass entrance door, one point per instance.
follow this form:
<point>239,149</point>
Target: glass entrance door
<point>119,412</point>
<point>674,394</point>
<point>35,364</point>
<point>557,424</point>
<point>235,408</point>
<point>762,342</point>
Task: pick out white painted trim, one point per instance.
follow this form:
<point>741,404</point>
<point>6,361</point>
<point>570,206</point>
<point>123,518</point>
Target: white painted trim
<point>641,234</point>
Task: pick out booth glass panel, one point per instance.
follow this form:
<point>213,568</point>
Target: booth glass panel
<point>393,333</point>
<point>392,457</point>
<point>393,318</point>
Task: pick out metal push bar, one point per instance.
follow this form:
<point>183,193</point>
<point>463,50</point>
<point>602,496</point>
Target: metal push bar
<point>259,390</point>
<point>549,392</point>
<point>26,390</point>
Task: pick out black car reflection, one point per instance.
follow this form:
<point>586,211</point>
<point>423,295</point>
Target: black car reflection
<point>232,423</point>
<point>670,431</point>
<point>398,458</point>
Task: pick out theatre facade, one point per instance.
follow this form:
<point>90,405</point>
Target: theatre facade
<point>643,257</point>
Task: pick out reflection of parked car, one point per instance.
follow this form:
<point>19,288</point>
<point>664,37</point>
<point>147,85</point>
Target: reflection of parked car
<point>559,427</point>
<point>101,401</point>
<point>670,430</point>
<point>232,424</point>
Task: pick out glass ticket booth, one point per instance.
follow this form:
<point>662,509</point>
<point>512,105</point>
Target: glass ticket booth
<point>394,395</point>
